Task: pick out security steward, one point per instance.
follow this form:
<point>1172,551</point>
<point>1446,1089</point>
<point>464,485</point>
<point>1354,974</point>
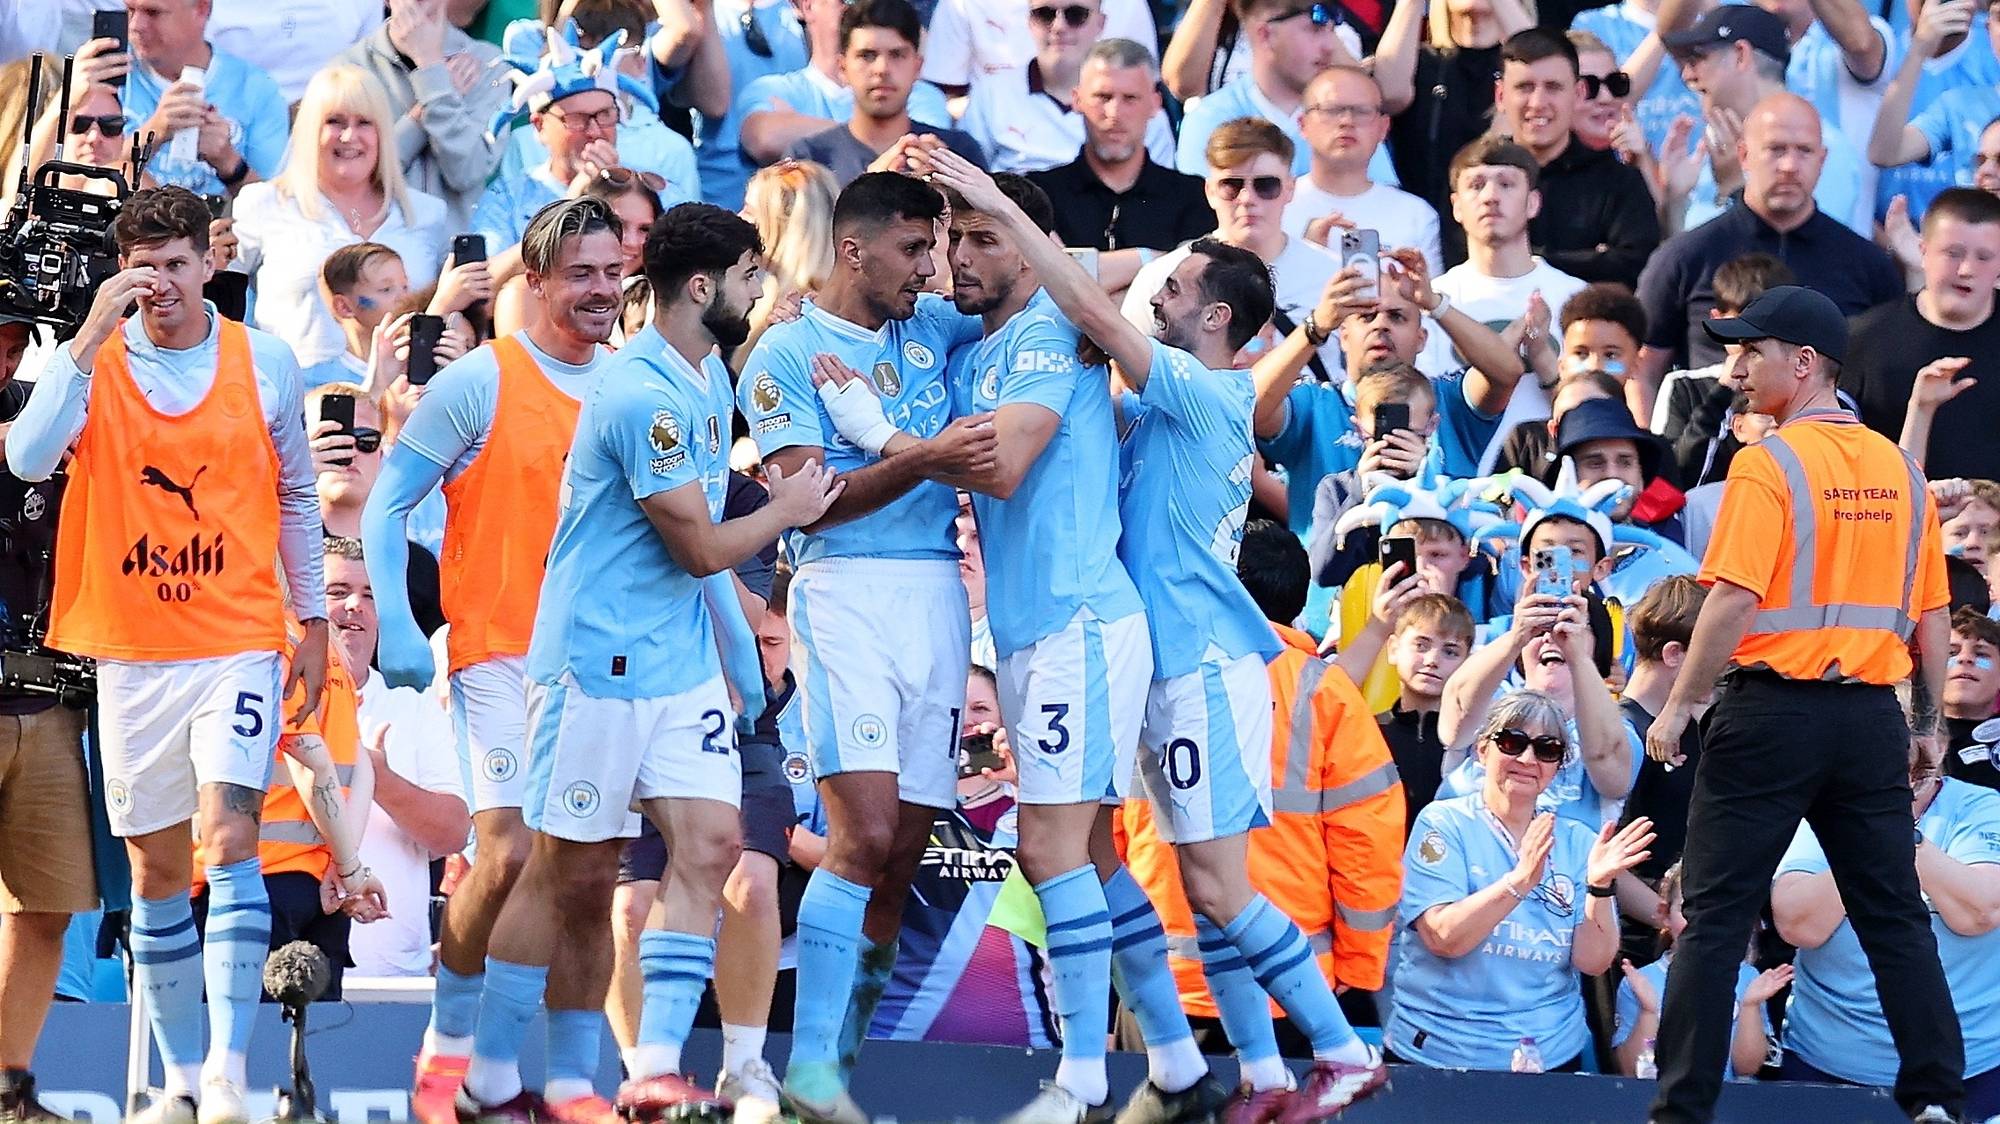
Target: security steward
<point>1824,566</point>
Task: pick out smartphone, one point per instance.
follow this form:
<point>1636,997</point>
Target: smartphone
<point>1399,548</point>
<point>468,248</point>
<point>1390,417</point>
<point>1555,571</point>
<point>1363,250</point>
<point>218,206</point>
<point>425,331</point>
<point>338,408</point>
<point>112,24</point>
<point>975,753</point>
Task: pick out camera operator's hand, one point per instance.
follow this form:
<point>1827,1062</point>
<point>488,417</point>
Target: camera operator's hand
<point>182,106</point>
<point>98,63</point>
<point>107,308</point>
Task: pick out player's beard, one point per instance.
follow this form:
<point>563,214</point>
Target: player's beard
<point>729,326</point>
<point>988,297</point>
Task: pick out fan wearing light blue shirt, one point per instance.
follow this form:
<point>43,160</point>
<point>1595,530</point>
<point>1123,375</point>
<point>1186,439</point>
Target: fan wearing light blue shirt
<point>161,97</point>
<point>1926,134</point>
<point>878,610</point>
<point>1834,1028</point>
<point>1207,729</point>
<point>627,701</point>
<point>1504,907</point>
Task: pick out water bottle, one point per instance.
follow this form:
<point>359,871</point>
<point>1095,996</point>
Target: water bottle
<point>1646,1068</point>
<point>1527,1057</point>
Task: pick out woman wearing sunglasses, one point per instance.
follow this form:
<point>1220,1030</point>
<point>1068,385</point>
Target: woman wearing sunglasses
<point>1504,907</point>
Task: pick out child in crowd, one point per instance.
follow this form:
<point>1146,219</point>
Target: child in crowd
<point>1971,696</point>
<point>1431,639</point>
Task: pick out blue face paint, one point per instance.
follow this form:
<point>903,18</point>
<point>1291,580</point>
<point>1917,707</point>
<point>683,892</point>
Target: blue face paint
<point>1614,368</point>
<point>366,304</point>
<point>1983,663</point>
<point>1955,550</point>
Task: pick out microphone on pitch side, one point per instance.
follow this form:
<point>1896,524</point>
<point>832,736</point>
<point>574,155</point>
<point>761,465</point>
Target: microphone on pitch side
<point>297,974</point>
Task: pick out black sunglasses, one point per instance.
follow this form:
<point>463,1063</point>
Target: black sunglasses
<point>1266,187</point>
<point>1075,15</point>
<point>1321,14</point>
<point>1618,82</point>
<point>367,440</point>
<point>1513,743</point>
<point>110,124</point>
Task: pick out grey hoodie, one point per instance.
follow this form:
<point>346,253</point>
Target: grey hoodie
<point>443,151</point>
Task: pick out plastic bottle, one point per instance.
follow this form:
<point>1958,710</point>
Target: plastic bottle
<point>1646,1068</point>
<point>1527,1057</point>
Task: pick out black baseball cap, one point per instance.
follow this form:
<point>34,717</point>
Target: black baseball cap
<point>1792,313</point>
<point>1731,22</point>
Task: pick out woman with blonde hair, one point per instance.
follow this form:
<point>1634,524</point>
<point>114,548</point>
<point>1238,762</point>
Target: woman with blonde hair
<point>341,184</point>
<point>791,205</point>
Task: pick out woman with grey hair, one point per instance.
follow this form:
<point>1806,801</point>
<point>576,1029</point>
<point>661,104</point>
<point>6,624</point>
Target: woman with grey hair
<point>1503,908</point>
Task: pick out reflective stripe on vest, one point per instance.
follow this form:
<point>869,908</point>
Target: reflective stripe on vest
<point>301,832</point>
<point>1189,948</point>
<point>1364,920</point>
<point>1293,793</point>
<point>1803,613</point>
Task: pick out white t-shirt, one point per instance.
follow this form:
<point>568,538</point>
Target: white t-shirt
<point>291,41</point>
<point>1497,302</point>
<point>970,39</point>
<point>421,749</point>
<point>1400,218</point>
<point>1300,272</point>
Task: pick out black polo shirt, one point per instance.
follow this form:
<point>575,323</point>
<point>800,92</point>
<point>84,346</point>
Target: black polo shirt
<point>1598,221</point>
<point>1163,209</point>
<point>1677,286</point>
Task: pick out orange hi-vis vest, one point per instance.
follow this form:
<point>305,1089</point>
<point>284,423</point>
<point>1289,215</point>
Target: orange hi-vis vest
<point>1831,525</point>
<point>501,514</point>
<point>1332,859</point>
<point>169,526</point>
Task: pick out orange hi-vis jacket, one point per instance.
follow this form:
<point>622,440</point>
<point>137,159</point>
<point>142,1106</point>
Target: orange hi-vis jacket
<point>500,514</point>
<point>1332,859</point>
<point>170,522</point>
<point>1831,526</point>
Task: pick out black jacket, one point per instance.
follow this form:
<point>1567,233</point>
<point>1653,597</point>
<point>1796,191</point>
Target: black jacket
<point>1163,209</point>
<point>1598,221</point>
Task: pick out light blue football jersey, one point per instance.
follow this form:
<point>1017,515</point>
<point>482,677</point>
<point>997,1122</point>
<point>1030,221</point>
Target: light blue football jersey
<point>1834,1018</point>
<point>617,612</point>
<point>1051,549</point>
<point>906,361</point>
<point>1185,496</point>
<point>1469,1012</point>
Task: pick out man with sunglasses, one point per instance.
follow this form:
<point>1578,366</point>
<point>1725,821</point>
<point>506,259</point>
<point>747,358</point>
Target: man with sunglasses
<point>970,41</point>
<point>493,429</point>
<point>779,110</point>
<point>1028,120</point>
<point>1290,43</point>
<point>1598,221</point>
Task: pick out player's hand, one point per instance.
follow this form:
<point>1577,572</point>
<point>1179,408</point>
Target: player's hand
<point>1536,845</point>
<point>1617,850</point>
<point>332,447</point>
<point>949,169</point>
<point>1938,383</point>
<point>403,652</point>
<point>789,306</point>
<point>1394,594</point>
<point>852,404</point>
<point>1663,737</point>
<point>309,669</point>
<point>964,453</point>
<point>107,309</point>
<point>805,495</point>
<point>461,287</point>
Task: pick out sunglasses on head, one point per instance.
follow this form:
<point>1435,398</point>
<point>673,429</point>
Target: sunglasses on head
<point>1266,187</point>
<point>1075,15</point>
<point>367,440</point>
<point>109,124</point>
<point>625,177</point>
<point>1513,743</point>
<point>1321,14</point>
<point>1618,82</point>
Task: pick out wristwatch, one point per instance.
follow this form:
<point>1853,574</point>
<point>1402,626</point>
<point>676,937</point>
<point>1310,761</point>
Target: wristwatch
<point>1601,891</point>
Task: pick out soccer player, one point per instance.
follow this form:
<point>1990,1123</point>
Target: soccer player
<point>191,476</point>
<point>1207,725</point>
<point>1068,628</point>
<point>877,606</point>
<point>626,699</point>
<point>494,428</point>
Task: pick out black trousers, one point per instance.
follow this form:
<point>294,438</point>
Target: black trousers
<point>1775,751</point>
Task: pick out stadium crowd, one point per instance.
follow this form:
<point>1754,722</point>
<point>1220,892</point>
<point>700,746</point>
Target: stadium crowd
<point>1415,579</point>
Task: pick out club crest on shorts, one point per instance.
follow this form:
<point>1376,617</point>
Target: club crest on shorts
<point>500,764</point>
<point>1431,850</point>
<point>580,799</point>
<point>887,379</point>
<point>870,731</point>
<point>919,355</point>
<point>120,796</point>
<point>797,770</point>
<point>764,393</point>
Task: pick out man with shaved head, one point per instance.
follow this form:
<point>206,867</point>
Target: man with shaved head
<point>1782,154</point>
